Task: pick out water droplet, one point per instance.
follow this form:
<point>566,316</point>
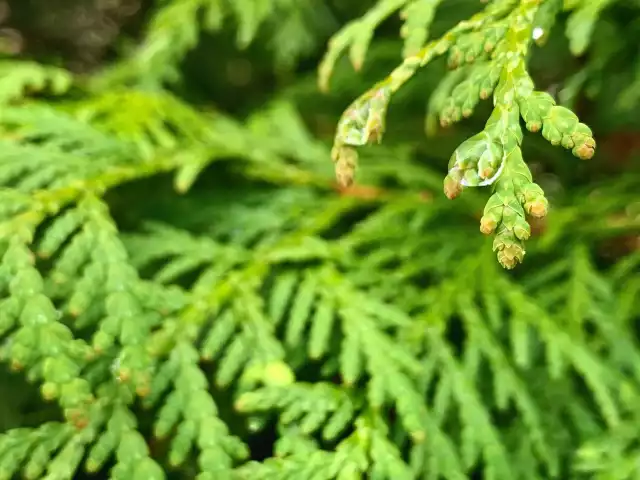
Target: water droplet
<point>537,33</point>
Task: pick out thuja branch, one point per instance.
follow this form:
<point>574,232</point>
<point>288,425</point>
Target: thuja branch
<point>363,121</point>
<point>489,51</point>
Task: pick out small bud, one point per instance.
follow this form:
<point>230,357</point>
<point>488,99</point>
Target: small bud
<point>49,391</point>
<point>452,187</point>
<point>511,256</point>
<point>344,173</point>
<point>537,208</point>
<point>534,126</point>
<point>123,375</point>
<point>586,150</point>
<point>510,250</point>
<point>487,172</point>
<point>77,417</point>
<point>346,166</point>
<point>143,389</point>
<point>277,374</point>
<point>488,224</point>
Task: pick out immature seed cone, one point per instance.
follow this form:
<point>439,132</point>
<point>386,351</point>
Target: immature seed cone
<point>488,225</point>
<point>452,187</point>
<point>537,208</point>
<point>346,159</point>
<point>586,150</point>
<point>511,256</point>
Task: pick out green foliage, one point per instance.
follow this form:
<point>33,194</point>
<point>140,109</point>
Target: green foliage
<point>492,47</point>
<point>250,319</point>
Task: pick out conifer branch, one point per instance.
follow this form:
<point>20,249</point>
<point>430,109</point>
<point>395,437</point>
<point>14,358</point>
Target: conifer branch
<point>493,46</point>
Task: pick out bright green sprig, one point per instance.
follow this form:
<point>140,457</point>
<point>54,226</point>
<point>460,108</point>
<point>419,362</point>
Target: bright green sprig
<point>37,341</point>
<point>113,435</point>
<point>125,322</point>
<point>311,407</point>
<point>494,155</point>
<point>490,51</point>
<point>34,451</point>
<point>56,451</point>
<point>190,409</point>
<point>363,121</point>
